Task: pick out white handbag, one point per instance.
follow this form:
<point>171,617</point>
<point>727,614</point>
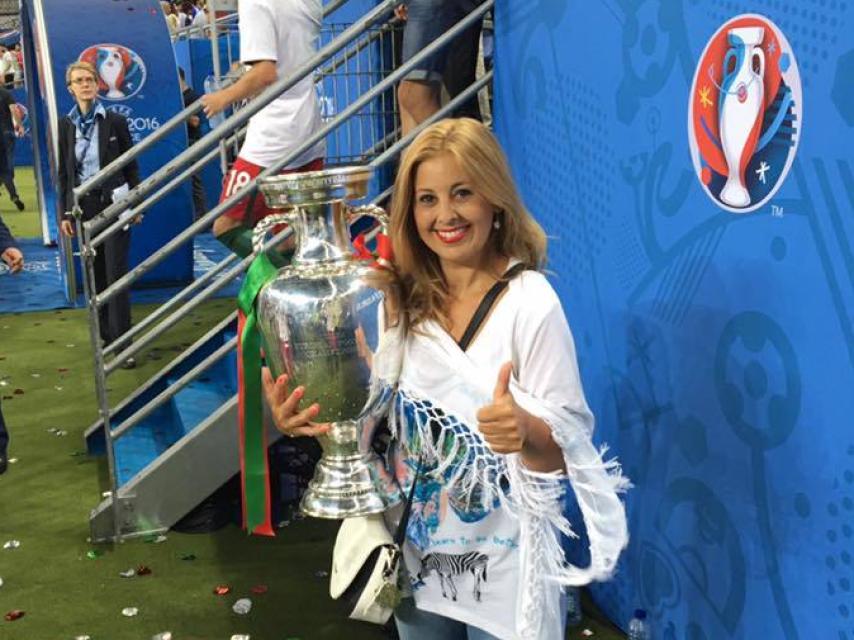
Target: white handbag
<point>365,562</point>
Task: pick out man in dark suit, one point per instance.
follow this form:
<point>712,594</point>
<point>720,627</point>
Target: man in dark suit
<point>90,137</point>
<point>14,259</point>
<point>10,129</point>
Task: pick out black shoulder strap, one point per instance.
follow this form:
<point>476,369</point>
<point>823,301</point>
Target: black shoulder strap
<point>486,304</point>
<point>400,534</point>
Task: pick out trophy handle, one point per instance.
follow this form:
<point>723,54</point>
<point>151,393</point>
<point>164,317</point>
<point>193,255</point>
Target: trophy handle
<point>265,224</point>
<point>372,211</point>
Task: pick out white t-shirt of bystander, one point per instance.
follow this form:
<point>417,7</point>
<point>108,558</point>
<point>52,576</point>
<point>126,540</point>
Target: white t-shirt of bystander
<point>287,33</point>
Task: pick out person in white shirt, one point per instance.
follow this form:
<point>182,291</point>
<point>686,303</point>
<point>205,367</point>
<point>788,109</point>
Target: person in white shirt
<point>276,38</point>
<point>498,424</point>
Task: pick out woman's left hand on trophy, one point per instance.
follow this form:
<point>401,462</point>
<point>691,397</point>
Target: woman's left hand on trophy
<point>287,416</point>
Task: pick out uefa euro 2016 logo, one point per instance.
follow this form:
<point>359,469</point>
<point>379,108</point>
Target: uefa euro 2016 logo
<point>122,71</point>
<point>744,113</point>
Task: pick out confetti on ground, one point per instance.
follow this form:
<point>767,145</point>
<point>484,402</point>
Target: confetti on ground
<point>11,544</point>
<point>159,539</point>
<point>259,589</point>
<point>321,574</point>
<point>130,612</point>
<point>240,636</point>
<point>14,614</point>
<point>242,606</point>
<point>1,582</point>
<point>129,573</point>
<point>106,494</point>
<point>587,633</point>
<point>221,589</point>
<point>82,637</point>
<point>142,570</point>
<point>12,460</point>
<point>18,392</point>
<point>94,554</point>
<point>166,635</point>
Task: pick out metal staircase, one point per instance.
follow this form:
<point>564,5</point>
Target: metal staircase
<point>173,441</point>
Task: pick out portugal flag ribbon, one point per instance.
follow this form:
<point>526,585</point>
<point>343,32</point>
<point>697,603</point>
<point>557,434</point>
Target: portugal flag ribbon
<point>254,472</point>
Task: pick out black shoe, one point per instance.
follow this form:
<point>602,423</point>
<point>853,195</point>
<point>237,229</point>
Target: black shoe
<point>4,463</point>
<point>129,363</point>
<point>19,203</point>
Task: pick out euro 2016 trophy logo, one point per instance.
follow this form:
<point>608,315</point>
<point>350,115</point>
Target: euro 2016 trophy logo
<point>744,114</point>
<point>121,70</point>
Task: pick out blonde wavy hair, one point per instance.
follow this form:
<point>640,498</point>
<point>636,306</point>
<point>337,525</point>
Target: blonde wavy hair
<point>80,65</point>
<point>475,148</point>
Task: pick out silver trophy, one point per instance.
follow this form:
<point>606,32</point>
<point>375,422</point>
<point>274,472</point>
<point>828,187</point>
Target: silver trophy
<point>330,322</point>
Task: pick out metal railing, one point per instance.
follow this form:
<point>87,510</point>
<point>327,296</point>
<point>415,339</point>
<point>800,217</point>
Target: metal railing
<point>92,233</point>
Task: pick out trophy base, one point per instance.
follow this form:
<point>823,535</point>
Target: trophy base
<point>345,487</point>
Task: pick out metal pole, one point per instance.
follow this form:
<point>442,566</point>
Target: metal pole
<point>173,302</point>
<point>173,389</point>
<point>169,322</point>
<point>254,106</point>
<point>87,258</point>
<point>170,366</point>
<point>458,100</point>
<point>330,7</point>
<point>98,224</point>
<point>149,263</point>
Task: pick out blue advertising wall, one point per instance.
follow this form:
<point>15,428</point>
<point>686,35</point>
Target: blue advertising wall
<point>146,93</point>
<point>716,347</point>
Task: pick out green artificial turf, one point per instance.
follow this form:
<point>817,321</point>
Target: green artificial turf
<point>46,383</point>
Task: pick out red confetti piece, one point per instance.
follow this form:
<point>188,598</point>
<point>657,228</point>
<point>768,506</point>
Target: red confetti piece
<point>15,614</point>
<point>221,589</point>
<point>259,588</point>
<point>142,570</point>
<point>62,369</point>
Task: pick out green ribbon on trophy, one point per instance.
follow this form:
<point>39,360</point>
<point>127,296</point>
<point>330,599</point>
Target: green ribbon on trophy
<point>254,471</point>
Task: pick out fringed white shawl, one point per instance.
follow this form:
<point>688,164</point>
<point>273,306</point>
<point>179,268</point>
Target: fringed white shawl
<point>440,390</point>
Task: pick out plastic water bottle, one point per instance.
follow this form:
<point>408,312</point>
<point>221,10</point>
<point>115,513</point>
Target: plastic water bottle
<point>211,85</point>
<point>573,607</point>
<point>639,627</point>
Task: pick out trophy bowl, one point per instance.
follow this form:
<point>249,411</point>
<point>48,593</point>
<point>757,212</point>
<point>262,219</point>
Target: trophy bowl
<point>330,322</point>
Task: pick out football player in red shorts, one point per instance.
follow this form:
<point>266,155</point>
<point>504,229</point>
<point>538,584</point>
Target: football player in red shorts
<point>276,38</point>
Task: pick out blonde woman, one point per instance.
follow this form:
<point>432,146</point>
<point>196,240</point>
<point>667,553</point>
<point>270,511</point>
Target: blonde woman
<point>498,426</point>
<point>90,138</point>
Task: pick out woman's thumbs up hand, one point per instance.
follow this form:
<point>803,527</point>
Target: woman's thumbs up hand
<point>503,424</point>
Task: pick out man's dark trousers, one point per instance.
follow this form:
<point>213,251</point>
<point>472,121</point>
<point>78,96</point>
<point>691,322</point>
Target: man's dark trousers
<point>7,163</point>
<point>4,435</point>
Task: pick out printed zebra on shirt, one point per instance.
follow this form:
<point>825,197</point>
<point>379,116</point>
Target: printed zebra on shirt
<point>448,565</point>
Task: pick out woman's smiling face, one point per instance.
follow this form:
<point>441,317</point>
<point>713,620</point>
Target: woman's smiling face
<point>452,219</point>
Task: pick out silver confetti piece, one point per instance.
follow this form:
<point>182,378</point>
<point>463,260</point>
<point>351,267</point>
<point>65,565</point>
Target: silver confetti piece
<point>130,573</point>
<point>11,544</point>
<point>242,606</point>
<point>130,612</point>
